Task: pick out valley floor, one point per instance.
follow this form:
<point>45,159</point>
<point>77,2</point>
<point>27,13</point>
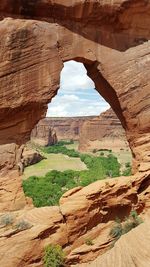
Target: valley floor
<point>57,162</point>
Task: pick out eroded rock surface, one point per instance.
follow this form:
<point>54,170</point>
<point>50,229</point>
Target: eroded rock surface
<point>103,132</point>
<point>66,128</point>
<point>31,156</point>
<point>44,134</point>
<point>83,213</point>
<point>131,250</point>
<point>11,193</point>
<point>112,40</point>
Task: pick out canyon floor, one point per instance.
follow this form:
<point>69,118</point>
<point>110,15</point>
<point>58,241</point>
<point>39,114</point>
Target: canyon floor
<point>57,162</point>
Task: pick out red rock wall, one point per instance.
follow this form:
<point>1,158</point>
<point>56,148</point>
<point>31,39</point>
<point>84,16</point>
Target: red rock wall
<point>111,38</point>
<point>103,132</point>
<point>65,128</point>
<point>43,134</point>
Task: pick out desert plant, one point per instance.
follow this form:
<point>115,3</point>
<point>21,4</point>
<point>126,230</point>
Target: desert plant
<point>53,256</point>
<point>128,165</point>
<point>120,229</point>
<point>116,231</point>
<point>133,221</point>
<point>102,154</point>
<point>89,242</point>
<point>23,225</point>
<point>6,219</point>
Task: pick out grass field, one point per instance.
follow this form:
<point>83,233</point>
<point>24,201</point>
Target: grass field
<point>123,156</point>
<point>57,162</point>
<point>73,146</point>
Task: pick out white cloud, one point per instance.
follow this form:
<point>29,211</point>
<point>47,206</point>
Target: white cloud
<point>74,76</point>
<point>76,96</point>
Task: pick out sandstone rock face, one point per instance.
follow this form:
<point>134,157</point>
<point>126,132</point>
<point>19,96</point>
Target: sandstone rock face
<point>43,134</point>
<point>111,38</point>
<point>67,128</point>
<point>83,213</point>
<point>30,157</point>
<point>103,132</point>
<point>113,46</point>
<point>128,251</point>
<point>10,156</point>
<point>11,193</point>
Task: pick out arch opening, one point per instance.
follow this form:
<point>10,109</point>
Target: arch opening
<point>82,138</point>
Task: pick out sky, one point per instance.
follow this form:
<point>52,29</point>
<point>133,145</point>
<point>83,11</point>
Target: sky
<point>77,95</point>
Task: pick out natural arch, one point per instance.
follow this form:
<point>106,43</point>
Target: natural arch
<point>32,60</point>
<point>113,42</point>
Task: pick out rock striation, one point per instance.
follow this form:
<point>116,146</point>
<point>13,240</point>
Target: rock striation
<point>103,132</point>
<point>67,128</point>
<point>128,251</point>
<point>114,47</point>
<point>111,38</point>
<point>43,134</point>
<point>31,156</point>
<point>83,213</point>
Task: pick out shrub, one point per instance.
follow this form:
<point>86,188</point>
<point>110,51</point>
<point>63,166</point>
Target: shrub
<point>6,219</point>
<point>116,231</point>
<point>133,221</point>
<point>127,171</point>
<point>128,164</point>
<point>47,190</point>
<point>89,242</point>
<point>94,150</point>
<point>53,256</point>
<point>61,148</point>
<point>23,225</point>
<point>120,229</point>
<point>102,154</point>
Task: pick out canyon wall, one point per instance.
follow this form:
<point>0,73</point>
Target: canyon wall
<point>66,128</point>
<point>92,132</point>
<point>44,134</point>
<point>111,39</point>
<point>83,213</point>
<point>103,132</point>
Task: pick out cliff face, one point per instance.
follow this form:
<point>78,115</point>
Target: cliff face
<point>93,132</point>
<point>65,128</point>
<point>43,134</point>
<point>111,39</point>
<point>103,132</point>
<point>83,213</point>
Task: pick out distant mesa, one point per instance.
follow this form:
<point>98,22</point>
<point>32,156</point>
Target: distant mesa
<point>92,132</point>
<point>43,134</point>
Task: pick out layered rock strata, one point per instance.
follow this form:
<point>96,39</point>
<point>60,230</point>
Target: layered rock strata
<point>103,132</point>
<point>112,40</point>
<point>31,156</point>
<point>67,128</point>
<point>128,251</point>
<point>84,213</point>
<point>43,134</point>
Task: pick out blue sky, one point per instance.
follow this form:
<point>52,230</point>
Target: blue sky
<point>76,96</point>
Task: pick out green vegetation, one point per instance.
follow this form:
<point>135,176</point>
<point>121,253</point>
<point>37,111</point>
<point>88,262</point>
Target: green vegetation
<point>23,225</point>
<point>89,242</point>
<point>127,225</point>
<point>57,162</point>
<point>127,170</point>
<point>61,148</point>
<point>6,219</point>
<point>65,142</point>
<point>53,256</point>
<point>47,190</point>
